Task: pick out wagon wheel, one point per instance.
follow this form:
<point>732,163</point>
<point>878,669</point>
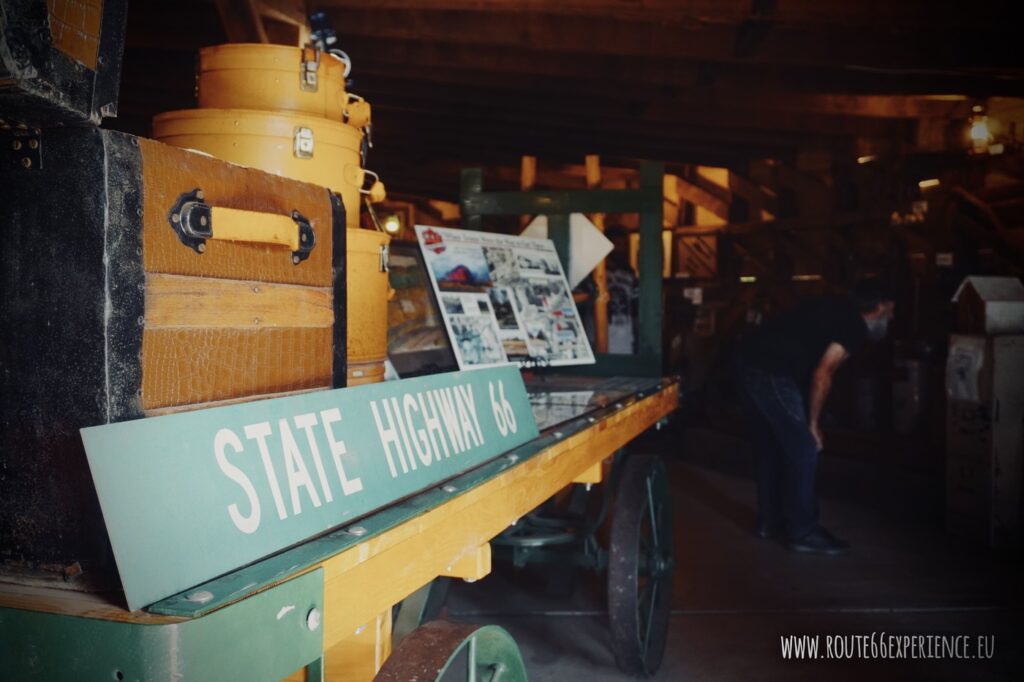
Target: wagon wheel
<point>447,651</point>
<point>640,566</point>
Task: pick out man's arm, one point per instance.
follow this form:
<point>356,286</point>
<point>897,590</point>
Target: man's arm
<point>821,383</point>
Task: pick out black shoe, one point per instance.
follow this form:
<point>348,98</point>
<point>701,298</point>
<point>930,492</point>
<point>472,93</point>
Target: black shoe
<point>818,541</point>
<point>768,531</point>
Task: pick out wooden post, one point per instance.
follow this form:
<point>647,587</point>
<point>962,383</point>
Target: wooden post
<point>593,170</point>
<point>527,180</point>
<point>650,262</point>
<point>472,182</point>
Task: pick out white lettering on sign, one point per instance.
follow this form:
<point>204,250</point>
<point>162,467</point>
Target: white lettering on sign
<point>294,462</point>
<point>298,474</point>
<point>433,426</point>
<point>420,428</point>
<point>348,487</point>
<point>388,438</point>
<point>504,415</point>
<point>450,419</point>
<point>306,422</point>
<point>246,524</point>
<point>259,433</point>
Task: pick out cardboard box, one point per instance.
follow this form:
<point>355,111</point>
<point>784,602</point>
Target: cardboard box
<point>990,305</point>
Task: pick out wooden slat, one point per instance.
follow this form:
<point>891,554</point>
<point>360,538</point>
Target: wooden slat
<point>178,302</point>
<point>182,366</point>
<point>105,606</point>
<point>473,565</point>
<point>156,412</point>
<point>592,171</point>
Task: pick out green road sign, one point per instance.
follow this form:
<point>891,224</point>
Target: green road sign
<point>190,496</point>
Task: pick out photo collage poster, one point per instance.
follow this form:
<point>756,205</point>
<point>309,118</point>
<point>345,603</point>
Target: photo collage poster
<point>503,299</point>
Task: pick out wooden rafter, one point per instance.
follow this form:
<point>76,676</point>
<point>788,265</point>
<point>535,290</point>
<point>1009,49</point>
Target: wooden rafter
<point>245,21</point>
<point>699,196</point>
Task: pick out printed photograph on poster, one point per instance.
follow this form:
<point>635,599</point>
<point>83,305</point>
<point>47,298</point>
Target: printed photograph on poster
<point>531,263</point>
<point>503,298</point>
<point>476,340</point>
<point>516,349</point>
<point>452,305</point>
<point>501,263</point>
<point>459,268</point>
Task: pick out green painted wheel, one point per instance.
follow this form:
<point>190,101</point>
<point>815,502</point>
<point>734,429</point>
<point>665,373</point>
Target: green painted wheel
<point>446,651</point>
<point>640,566</point>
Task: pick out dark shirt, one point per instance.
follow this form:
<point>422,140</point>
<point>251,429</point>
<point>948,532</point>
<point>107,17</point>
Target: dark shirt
<point>792,343</point>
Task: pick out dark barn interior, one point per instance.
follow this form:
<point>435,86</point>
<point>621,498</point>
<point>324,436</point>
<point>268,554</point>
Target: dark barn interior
<point>806,146</point>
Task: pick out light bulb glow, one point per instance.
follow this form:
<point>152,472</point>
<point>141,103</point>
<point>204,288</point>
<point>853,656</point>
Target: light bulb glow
<point>979,132</point>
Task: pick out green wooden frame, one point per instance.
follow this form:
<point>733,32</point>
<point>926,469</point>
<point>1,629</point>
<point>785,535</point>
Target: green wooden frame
<point>557,205</point>
<point>267,636</point>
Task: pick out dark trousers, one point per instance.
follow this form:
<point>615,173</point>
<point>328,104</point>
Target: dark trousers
<point>785,451</point>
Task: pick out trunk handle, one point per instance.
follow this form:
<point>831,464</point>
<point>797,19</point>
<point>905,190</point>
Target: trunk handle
<point>193,222</point>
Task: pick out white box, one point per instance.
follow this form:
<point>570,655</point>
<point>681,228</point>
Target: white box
<point>990,305</point>
<point>985,434</point>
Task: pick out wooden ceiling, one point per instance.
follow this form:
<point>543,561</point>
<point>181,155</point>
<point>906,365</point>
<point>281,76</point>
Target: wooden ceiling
<point>456,83</point>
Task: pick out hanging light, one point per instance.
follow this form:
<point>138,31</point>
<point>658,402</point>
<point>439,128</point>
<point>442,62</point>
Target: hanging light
<point>392,224</point>
<point>978,131</point>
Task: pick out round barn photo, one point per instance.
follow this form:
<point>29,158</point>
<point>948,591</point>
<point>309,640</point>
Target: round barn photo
<point>575,340</point>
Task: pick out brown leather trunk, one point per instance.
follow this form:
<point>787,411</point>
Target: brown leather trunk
<point>113,312</point>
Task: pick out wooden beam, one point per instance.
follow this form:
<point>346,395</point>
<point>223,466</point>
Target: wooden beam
<point>814,196</point>
<point>527,181</point>
<point>556,133</point>
<point>699,196</point>
<point>931,43</point>
<point>903,15</point>
<point>845,220</point>
<point>743,77</point>
<point>757,199</point>
<point>623,113</point>
<point>242,21</point>
<point>587,79</point>
<point>561,141</point>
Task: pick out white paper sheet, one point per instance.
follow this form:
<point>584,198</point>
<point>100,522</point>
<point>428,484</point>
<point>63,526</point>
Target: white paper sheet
<point>963,367</point>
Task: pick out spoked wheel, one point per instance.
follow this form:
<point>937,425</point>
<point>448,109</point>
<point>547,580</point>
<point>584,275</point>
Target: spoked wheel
<point>640,566</point>
<point>446,651</point>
